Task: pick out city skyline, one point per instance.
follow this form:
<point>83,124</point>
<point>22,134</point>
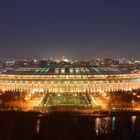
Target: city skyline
<point>84,29</point>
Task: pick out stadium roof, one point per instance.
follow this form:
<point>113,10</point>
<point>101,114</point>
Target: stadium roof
<point>65,71</point>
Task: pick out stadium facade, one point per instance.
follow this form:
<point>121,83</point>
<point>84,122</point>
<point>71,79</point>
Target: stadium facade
<point>68,80</point>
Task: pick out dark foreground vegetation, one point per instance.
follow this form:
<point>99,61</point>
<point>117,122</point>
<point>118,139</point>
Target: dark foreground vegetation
<point>15,125</point>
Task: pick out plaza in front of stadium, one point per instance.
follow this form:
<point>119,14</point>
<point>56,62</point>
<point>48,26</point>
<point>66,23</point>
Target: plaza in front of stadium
<point>69,88</point>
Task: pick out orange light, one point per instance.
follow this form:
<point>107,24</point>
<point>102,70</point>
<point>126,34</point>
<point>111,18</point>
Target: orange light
<point>133,101</point>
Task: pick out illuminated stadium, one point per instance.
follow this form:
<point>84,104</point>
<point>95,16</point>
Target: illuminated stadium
<point>67,86</point>
<point>68,80</point>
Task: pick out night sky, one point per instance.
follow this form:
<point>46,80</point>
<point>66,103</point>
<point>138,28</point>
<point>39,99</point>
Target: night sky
<point>82,29</point>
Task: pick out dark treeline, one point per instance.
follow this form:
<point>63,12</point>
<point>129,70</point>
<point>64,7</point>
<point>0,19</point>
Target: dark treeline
<point>17,125</point>
<point>63,126</point>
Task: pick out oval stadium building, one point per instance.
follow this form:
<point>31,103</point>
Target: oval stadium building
<point>68,80</point>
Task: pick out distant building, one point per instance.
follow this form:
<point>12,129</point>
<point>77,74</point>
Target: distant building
<point>96,62</point>
<point>109,62</point>
<point>81,64</point>
<point>9,63</point>
<point>1,64</point>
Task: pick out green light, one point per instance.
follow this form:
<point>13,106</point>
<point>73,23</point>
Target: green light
<point>94,100</point>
